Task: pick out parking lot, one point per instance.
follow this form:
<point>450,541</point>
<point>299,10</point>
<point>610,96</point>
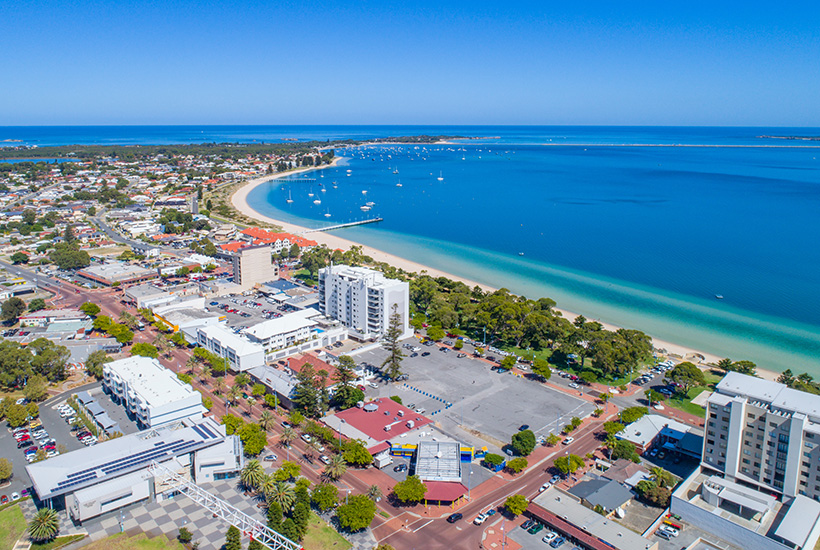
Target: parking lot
<point>246,311</point>
<point>492,406</point>
<point>57,429</point>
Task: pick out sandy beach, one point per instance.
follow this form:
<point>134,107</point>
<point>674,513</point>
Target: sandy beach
<point>239,201</point>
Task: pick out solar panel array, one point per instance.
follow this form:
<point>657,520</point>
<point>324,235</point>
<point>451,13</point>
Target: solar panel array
<point>160,451</point>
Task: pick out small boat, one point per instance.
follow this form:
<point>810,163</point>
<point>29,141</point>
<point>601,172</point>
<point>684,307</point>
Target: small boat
<point>327,214</point>
<point>323,190</point>
<point>520,253</point>
<point>371,203</point>
<point>364,208</point>
<point>398,184</point>
<point>311,193</point>
<point>317,200</point>
<point>335,185</point>
<point>396,171</point>
<point>440,177</point>
<point>364,191</point>
<point>290,199</point>
<point>719,296</point>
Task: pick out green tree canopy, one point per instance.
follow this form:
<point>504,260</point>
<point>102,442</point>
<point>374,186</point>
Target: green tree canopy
<point>325,496</point>
<point>523,442</point>
<point>412,489</point>
<point>569,463</point>
<point>516,504</point>
<point>687,375</point>
<point>12,308</point>
<point>91,309</point>
<point>357,514</point>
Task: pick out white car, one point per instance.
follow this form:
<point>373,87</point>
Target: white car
<point>569,440</point>
<point>324,459</point>
<point>306,438</point>
<point>669,530</point>
<point>549,537</point>
<point>544,487</point>
<point>480,518</point>
<point>373,385</point>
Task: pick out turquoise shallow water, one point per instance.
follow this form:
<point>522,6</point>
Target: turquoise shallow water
<point>643,237</point>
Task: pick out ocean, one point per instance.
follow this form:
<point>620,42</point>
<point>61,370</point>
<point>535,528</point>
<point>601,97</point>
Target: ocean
<point>641,227</point>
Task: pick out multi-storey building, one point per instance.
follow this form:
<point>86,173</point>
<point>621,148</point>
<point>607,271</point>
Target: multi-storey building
<point>240,353</point>
<point>150,393</point>
<point>363,299</point>
<point>765,434</point>
<point>253,265</point>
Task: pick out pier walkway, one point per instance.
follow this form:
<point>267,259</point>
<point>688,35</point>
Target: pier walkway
<point>342,225</point>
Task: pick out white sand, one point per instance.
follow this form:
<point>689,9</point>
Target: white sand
<point>240,202</point>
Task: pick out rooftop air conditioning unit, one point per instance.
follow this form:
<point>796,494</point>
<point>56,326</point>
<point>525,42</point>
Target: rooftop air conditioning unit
<point>388,428</point>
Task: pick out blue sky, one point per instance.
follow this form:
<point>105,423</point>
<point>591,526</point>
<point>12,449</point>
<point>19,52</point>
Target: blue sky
<point>366,62</point>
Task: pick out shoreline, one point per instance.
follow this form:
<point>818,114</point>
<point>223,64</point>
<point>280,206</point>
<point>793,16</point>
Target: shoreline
<point>239,201</point>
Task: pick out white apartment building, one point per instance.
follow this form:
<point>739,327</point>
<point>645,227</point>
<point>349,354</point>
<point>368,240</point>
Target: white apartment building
<point>285,331</point>
<point>764,434</point>
<point>241,353</point>
<point>150,392</point>
<point>253,265</point>
<point>363,299</point>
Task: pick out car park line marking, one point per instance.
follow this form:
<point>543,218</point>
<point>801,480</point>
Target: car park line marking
<point>423,526</point>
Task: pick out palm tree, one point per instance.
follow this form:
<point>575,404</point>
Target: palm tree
<point>205,373</point>
<point>219,385</point>
<point>287,437</point>
<point>44,526</point>
<point>336,468</point>
<point>251,402</point>
<point>241,380</point>
<point>234,394</point>
<point>162,344</point>
<point>267,484</point>
<point>374,493</point>
<point>283,494</point>
<point>662,477</point>
<point>191,364</point>
<point>267,420</point>
<point>252,474</point>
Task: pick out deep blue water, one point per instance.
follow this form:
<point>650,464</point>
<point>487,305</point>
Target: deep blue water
<point>636,235</point>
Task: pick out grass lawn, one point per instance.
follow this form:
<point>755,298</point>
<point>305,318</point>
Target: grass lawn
<point>686,405</point>
<point>122,541</point>
<point>321,536</point>
<point>12,527</point>
<point>59,542</point>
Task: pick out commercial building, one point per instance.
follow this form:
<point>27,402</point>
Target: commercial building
<point>122,273</point>
<point>253,265</point>
<point>116,473</point>
<point>565,514</point>
<point>47,317</point>
<point>241,353</point>
<point>363,299</point>
<point>150,393</point>
<point>764,434</point>
<point>187,319</point>
<point>285,331</point>
<point>664,433</point>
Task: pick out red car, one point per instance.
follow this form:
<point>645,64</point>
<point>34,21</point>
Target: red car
<point>4,499</point>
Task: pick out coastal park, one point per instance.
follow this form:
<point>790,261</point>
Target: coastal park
<point>473,403</point>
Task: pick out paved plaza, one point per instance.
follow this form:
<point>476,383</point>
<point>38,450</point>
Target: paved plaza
<point>166,517</point>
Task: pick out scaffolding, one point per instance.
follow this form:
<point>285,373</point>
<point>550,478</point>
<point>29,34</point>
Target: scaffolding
<point>249,526</point>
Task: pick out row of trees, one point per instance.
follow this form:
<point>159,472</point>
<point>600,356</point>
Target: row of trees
<point>41,360</point>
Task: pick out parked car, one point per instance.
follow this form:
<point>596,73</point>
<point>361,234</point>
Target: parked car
<point>558,542</point>
<point>480,518</point>
<point>549,537</point>
<point>400,468</point>
<point>270,457</point>
<point>324,459</point>
<point>4,499</point>
<point>527,524</point>
<point>569,440</point>
<point>535,529</point>
<point>306,438</point>
<point>452,518</point>
<point>15,496</point>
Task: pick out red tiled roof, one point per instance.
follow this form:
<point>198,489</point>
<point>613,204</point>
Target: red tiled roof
<point>376,449</point>
<point>233,246</point>
<point>270,237</point>
<point>373,423</point>
<point>296,364</point>
<point>447,491</point>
